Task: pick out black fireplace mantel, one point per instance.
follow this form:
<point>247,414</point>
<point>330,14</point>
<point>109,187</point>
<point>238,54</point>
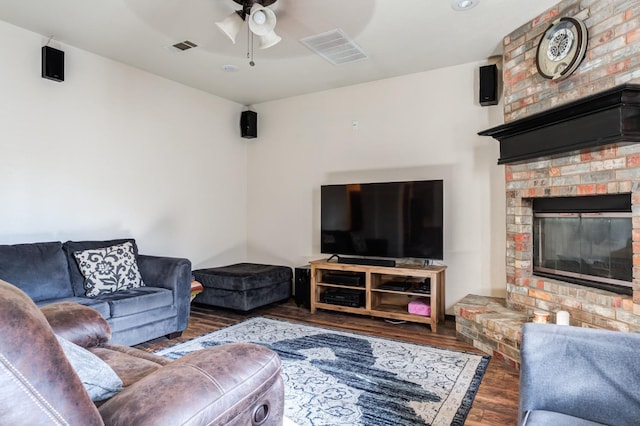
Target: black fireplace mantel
<point>604,118</point>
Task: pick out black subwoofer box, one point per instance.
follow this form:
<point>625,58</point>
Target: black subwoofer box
<point>302,278</point>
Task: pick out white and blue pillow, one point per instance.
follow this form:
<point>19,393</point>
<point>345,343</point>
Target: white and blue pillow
<point>109,269</point>
<point>97,377</point>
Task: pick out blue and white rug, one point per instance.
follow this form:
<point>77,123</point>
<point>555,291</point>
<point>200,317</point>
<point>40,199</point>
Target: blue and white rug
<point>341,378</point>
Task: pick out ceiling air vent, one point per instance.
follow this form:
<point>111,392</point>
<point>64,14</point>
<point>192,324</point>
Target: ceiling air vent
<point>185,45</point>
<point>335,46</point>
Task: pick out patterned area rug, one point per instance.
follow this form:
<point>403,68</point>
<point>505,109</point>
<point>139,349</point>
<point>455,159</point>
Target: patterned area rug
<point>340,378</point>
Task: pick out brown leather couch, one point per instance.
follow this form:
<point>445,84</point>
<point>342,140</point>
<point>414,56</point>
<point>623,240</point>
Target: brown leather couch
<point>232,384</point>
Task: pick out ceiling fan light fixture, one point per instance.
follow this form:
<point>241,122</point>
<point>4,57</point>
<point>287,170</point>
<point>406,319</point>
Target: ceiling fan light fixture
<point>268,40</point>
<point>259,17</point>
<point>231,26</point>
<point>262,21</point>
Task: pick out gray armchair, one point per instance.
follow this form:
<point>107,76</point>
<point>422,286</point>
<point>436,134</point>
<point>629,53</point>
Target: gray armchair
<point>579,376</point>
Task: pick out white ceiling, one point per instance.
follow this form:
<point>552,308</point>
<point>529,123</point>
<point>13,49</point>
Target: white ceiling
<point>399,37</point>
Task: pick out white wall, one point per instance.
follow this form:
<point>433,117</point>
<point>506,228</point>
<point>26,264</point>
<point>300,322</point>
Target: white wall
<point>421,126</point>
<point>116,152</point>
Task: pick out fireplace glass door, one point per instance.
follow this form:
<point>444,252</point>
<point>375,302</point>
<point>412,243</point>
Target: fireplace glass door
<point>592,247</point>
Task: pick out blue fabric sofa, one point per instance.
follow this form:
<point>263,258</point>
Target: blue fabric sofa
<point>48,273</point>
<point>574,376</point>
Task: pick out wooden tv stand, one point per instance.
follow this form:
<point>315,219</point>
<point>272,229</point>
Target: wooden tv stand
<point>379,302</point>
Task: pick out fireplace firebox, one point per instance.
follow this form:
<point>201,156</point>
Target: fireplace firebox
<point>585,240</point>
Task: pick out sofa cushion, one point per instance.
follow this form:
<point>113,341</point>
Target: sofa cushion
<point>130,364</point>
<point>544,418</point>
<point>109,269</point>
<point>99,380</point>
<point>77,279</point>
<point>143,326</point>
<point>38,269</point>
<point>134,301</point>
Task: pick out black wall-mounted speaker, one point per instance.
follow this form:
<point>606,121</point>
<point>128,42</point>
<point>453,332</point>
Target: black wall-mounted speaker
<point>249,124</point>
<point>488,85</point>
<point>52,63</point>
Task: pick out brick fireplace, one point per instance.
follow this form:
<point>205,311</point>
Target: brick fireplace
<point>587,148</point>
<point>607,125</point>
<point>545,158</point>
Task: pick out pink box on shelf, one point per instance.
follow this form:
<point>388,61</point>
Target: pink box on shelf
<point>420,307</point>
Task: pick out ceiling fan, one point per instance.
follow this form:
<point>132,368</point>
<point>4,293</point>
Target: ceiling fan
<point>261,21</point>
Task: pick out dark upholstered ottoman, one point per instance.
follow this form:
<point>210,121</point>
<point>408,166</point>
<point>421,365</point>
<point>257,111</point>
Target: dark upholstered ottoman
<point>244,286</point>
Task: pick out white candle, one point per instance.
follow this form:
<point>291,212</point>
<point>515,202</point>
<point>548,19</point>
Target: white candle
<point>562,318</point>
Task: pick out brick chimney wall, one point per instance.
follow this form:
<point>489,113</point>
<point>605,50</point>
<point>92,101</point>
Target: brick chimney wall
<point>612,59</point>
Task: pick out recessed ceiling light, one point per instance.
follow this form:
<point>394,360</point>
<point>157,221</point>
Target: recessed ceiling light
<point>230,68</point>
<point>462,5</point>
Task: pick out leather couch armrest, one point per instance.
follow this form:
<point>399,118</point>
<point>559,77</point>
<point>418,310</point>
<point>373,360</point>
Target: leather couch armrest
<point>172,273</point>
<point>77,323</point>
<point>227,384</point>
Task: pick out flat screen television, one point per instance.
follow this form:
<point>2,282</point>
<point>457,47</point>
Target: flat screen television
<point>388,220</point>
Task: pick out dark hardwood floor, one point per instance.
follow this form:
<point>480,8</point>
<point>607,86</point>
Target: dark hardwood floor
<point>496,402</point>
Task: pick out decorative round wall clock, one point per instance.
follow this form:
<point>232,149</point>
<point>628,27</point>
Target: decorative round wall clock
<point>561,48</point>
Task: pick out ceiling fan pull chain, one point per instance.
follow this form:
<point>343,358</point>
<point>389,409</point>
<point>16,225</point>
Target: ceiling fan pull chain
<point>250,47</point>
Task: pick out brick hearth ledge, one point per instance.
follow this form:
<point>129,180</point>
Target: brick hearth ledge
<point>487,324</point>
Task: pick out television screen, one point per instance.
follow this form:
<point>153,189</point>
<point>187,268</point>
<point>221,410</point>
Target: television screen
<point>390,219</point>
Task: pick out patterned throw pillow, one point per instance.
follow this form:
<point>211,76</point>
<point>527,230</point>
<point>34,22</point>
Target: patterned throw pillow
<point>109,269</point>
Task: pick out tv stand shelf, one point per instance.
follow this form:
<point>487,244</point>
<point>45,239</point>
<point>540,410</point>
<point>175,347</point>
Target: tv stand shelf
<point>370,299</point>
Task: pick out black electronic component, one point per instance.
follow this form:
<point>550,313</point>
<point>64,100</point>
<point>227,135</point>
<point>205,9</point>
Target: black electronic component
<point>52,63</point>
<point>355,280</point>
<point>488,85</point>
<point>344,297</point>
<point>249,124</point>
<point>303,286</point>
